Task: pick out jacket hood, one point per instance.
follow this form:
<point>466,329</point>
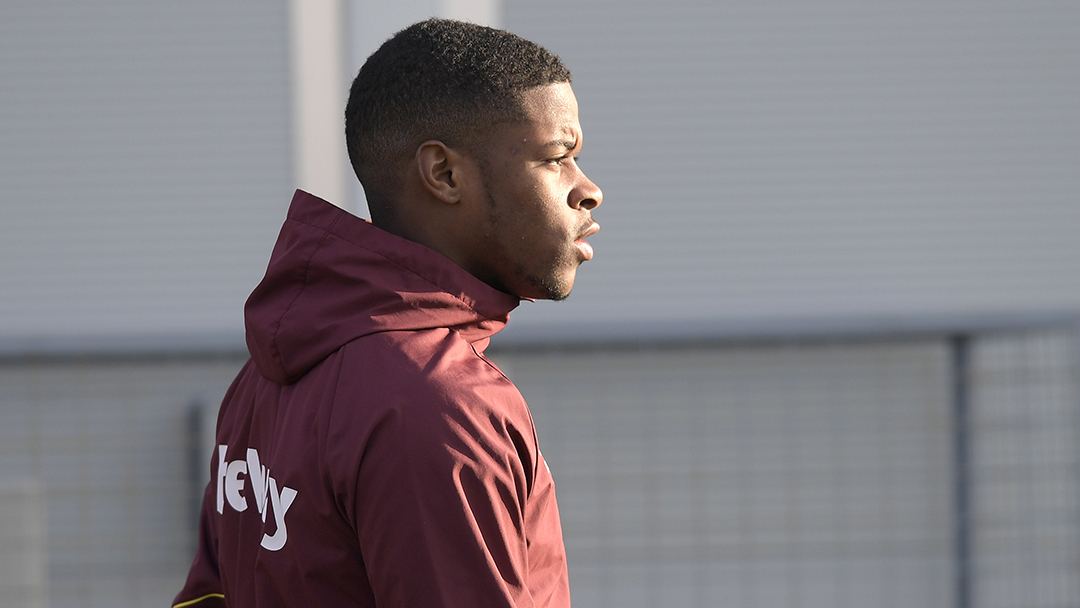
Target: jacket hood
<point>334,277</point>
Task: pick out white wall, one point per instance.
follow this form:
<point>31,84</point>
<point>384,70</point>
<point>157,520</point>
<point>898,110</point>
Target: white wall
<point>775,161</point>
<point>148,154</point>
<point>763,163</point>
<point>145,166</point>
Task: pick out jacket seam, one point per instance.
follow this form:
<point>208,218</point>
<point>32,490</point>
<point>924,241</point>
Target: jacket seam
<point>528,411</point>
<point>300,292</point>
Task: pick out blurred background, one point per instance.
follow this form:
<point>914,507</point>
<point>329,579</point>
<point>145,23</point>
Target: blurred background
<point>828,353</point>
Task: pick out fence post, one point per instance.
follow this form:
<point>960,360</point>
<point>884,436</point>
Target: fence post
<point>196,465</point>
<point>961,377</point>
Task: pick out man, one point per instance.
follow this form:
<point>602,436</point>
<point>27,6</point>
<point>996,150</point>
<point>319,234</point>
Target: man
<point>369,454</point>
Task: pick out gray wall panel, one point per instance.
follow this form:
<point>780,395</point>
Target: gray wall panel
<point>145,164</point>
<point>780,160</point>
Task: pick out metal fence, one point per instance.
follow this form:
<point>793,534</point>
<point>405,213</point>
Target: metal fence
<point>905,468</point>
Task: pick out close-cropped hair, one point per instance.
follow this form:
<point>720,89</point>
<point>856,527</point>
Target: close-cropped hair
<point>442,80</point>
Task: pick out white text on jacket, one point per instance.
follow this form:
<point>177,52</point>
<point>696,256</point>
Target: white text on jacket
<point>230,488</point>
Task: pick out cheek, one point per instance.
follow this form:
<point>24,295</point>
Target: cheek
<point>532,214</point>
<point>549,229</point>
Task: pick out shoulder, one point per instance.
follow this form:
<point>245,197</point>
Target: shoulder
<point>425,388</point>
<point>418,371</point>
<point>424,409</point>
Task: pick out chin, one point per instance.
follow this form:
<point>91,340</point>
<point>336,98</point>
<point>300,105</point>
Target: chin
<point>559,297</point>
<point>555,284</point>
<point>556,288</point>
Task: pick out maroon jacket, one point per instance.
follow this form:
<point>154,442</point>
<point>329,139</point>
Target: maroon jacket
<point>368,453</point>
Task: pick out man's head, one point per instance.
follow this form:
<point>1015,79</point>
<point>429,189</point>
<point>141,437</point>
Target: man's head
<point>438,79</point>
<point>465,138</point>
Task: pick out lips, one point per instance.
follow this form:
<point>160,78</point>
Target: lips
<point>585,248</point>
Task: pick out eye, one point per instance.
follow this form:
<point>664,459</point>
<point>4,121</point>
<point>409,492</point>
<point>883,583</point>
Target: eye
<point>561,160</point>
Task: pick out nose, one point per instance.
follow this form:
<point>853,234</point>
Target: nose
<point>586,195</point>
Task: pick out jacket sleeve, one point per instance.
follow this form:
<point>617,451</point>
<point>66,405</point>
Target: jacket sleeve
<point>203,588</point>
<point>439,503</point>
<point>442,523</point>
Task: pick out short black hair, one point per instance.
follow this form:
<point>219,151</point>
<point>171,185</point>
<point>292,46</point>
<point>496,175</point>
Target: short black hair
<point>439,79</point>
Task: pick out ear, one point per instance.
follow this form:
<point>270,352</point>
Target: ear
<point>440,170</point>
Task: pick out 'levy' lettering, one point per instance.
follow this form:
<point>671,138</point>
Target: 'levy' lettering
<point>281,503</point>
<point>231,477</point>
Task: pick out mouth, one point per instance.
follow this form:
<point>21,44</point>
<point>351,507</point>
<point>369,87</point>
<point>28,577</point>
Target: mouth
<point>584,247</point>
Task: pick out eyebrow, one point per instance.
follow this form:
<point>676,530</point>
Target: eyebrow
<point>562,143</point>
